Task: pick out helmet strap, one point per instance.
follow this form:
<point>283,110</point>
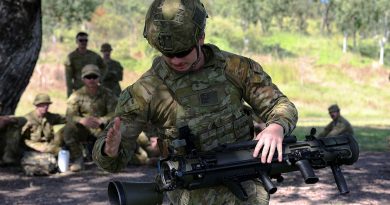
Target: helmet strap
<point>194,64</point>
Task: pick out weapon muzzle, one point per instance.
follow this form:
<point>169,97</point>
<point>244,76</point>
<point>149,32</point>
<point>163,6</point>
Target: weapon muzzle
<point>139,193</point>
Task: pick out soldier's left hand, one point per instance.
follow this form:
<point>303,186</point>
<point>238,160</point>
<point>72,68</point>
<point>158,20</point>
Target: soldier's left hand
<point>270,139</point>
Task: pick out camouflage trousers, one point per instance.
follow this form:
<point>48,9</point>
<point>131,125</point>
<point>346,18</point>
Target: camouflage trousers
<point>10,145</point>
<point>77,137</point>
<point>52,147</point>
<point>220,195</point>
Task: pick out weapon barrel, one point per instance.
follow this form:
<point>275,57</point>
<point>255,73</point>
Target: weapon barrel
<point>139,193</point>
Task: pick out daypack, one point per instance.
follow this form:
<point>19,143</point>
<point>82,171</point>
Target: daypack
<point>38,164</point>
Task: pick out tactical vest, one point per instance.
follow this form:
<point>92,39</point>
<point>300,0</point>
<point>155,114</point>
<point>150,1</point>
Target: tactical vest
<point>208,103</point>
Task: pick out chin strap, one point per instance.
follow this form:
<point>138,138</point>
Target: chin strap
<point>193,66</point>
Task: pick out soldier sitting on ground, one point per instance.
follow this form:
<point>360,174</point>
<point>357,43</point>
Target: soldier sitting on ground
<point>89,109</point>
<point>42,143</point>
<point>338,126</point>
<point>10,139</point>
<point>114,72</point>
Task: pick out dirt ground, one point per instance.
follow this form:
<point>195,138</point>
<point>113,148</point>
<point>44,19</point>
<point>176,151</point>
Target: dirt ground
<point>368,180</point>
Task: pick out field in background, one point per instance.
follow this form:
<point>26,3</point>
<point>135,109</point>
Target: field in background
<point>311,70</point>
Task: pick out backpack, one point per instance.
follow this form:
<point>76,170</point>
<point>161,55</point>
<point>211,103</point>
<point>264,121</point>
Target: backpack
<point>38,164</point>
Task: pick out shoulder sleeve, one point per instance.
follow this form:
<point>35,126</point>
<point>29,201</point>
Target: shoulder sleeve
<point>267,101</point>
<point>131,110</point>
<point>57,119</point>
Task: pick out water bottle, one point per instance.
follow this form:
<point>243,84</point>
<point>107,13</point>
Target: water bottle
<point>63,159</point>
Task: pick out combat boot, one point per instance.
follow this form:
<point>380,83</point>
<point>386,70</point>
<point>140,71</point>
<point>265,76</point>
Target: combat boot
<point>78,165</point>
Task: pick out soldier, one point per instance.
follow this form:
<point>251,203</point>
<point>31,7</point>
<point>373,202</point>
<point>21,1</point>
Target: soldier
<point>38,133</point>
<point>197,86</point>
<point>88,111</point>
<point>114,70</point>
<point>77,59</point>
<point>10,139</point>
<point>338,126</point>
<point>42,144</point>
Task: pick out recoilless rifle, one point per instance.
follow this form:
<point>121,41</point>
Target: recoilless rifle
<point>231,164</point>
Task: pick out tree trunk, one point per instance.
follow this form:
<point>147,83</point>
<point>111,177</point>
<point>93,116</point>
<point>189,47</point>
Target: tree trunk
<point>382,43</point>
<point>345,42</point>
<point>20,43</point>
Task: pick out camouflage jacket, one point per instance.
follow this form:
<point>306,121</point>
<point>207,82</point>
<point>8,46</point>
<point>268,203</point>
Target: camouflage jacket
<point>150,99</point>
<point>41,129</point>
<point>75,63</point>
<point>113,76</point>
<point>340,126</point>
<point>80,104</point>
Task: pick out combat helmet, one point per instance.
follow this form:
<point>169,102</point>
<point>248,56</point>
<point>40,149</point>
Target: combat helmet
<point>42,98</point>
<point>105,47</point>
<point>175,26</point>
<point>334,108</point>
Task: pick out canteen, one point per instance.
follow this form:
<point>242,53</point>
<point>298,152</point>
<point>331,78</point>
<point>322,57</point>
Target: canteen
<point>63,160</point>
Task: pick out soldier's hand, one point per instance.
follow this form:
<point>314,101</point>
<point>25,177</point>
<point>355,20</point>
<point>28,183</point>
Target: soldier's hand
<point>5,120</point>
<point>270,139</point>
<point>113,139</point>
<point>90,122</point>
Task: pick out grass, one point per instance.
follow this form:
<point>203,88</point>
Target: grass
<point>369,138</point>
<point>310,69</point>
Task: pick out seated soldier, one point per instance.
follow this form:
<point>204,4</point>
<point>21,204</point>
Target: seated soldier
<point>338,126</point>
<point>39,138</point>
<point>89,109</point>
<point>10,139</point>
<point>38,133</point>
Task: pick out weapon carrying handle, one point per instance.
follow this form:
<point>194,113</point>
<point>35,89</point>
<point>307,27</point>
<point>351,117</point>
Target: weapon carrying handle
<point>307,171</point>
<point>340,180</point>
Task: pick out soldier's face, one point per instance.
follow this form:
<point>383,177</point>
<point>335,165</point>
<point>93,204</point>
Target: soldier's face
<point>82,41</point>
<point>91,81</point>
<point>42,108</point>
<point>182,62</point>
<point>106,54</point>
<point>334,115</point>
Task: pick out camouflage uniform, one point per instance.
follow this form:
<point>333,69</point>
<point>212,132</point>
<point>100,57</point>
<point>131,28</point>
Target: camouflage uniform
<point>81,104</point>
<point>38,133</point>
<point>209,101</point>
<point>340,126</point>
<point>114,72</point>
<point>74,64</point>
<point>11,139</point>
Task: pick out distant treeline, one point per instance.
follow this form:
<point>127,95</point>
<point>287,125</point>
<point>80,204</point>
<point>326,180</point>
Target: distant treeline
<point>238,23</point>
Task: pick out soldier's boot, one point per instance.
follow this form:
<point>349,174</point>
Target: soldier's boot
<point>78,165</point>
<point>76,154</point>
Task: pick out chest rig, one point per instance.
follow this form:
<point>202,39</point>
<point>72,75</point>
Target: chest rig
<point>208,103</point>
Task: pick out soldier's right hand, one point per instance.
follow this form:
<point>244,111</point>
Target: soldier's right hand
<point>113,139</point>
<point>90,122</point>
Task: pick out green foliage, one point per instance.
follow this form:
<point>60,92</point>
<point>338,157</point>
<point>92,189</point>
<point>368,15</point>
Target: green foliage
<point>66,12</point>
